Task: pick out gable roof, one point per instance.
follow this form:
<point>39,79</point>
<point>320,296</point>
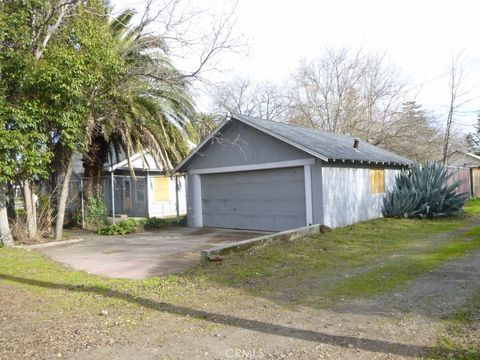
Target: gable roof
<point>475,159</point>
<point>140,161</point>
<point>329,147</point>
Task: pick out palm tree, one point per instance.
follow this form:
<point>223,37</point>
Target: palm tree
<point>149,108</point>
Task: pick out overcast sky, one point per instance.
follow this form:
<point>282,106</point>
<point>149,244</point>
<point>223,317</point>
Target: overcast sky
<point>417,36</point>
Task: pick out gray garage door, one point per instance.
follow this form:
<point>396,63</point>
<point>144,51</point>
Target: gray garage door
<point>271,200</point>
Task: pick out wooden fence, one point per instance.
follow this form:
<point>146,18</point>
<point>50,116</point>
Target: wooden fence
<point>463,174</point>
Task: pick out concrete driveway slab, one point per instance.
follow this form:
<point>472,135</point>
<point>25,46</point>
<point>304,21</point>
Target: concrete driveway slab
<point>141,255</point>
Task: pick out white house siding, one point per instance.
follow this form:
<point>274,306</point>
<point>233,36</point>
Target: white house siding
<point>346,195</point>
<point>163,208</point>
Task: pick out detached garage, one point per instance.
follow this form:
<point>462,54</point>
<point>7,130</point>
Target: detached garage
<point>257,174</point>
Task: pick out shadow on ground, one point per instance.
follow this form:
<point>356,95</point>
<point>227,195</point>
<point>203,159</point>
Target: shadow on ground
<point>374,345</point>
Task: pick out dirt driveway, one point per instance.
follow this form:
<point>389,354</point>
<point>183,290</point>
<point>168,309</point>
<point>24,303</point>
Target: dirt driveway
<point>138,256</point>
<point>48,312</point>
<point>400,325</point>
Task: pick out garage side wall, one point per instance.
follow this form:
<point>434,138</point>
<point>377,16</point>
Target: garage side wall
<point>346,195</point>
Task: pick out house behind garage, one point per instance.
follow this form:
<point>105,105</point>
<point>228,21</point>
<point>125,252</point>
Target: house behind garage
<point>151,192</point>
<point>467,167</point>
<point>256,174</point>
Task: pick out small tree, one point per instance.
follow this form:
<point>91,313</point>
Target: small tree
<point>423,191</point>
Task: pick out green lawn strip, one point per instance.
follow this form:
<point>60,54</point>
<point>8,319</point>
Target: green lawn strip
<point>287,265</point>
<point>472,207</point>
<point>404,268</point>
<point>67,290</point>
<point>446,348</point>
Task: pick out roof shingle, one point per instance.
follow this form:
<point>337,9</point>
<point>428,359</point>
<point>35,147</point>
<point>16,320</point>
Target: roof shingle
<point>326,144</point>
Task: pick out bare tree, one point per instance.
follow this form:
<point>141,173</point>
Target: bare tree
<point>264,99</point>
<point>348,91</point>
<point>193,36</point>
<point>457,97</point>
<point>413,122</point>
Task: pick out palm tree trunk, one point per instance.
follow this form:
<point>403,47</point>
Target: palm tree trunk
<point>93,162</point>
<point>5,234</point>
<point>62,202</point>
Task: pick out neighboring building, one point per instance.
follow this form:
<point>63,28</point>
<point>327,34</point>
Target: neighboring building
<point>257,174</point>
<point>150,193</point>
<point>463,159</point>
<point>468,166</point>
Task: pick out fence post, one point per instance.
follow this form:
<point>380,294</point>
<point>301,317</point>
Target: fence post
<point>147,192</point>
<point>176,200</point>
<point>112,193</point>
<point>81,199</point>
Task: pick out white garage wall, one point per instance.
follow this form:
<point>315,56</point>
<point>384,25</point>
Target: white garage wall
<point>346,195</point>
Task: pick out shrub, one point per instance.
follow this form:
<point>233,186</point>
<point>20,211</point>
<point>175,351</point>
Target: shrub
<point>95,213</point>
<point>155,223</point>
<point>120,228</point>
<point>423,192</point>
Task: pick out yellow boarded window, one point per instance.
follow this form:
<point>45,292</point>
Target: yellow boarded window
<point>377,181</point>
<point>161,189</point>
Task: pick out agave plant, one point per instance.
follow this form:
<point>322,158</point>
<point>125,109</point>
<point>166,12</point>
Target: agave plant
<point>423,191</point>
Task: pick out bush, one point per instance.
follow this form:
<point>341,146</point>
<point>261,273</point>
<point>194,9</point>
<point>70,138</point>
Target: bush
<point>423,192</point>
<point>155,223</point>
<point>95,213</point>
<point>120,228</point>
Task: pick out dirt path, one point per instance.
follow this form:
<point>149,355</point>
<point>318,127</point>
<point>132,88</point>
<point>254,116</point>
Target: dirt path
<point>222,322</point>
<point>403,324</point>
<point>419,246</point>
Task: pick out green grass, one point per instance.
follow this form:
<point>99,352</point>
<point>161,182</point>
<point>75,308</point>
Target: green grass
<point>407,267</point>
<point>65,290</point>
<point>461,339</point>
<point>297,270</point>
<point>446,348</point>
<point>472,207</point>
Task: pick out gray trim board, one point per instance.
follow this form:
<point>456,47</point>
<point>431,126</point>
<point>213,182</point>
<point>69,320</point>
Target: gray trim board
<point>251,167</point>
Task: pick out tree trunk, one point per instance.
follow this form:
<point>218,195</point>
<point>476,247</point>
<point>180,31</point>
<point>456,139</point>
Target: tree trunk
<point>448,128</point>
<point>93,161</point>
<point>30,209</point>
<point>62,202</point>
<point>88,183</point>
<point>5,234</point>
